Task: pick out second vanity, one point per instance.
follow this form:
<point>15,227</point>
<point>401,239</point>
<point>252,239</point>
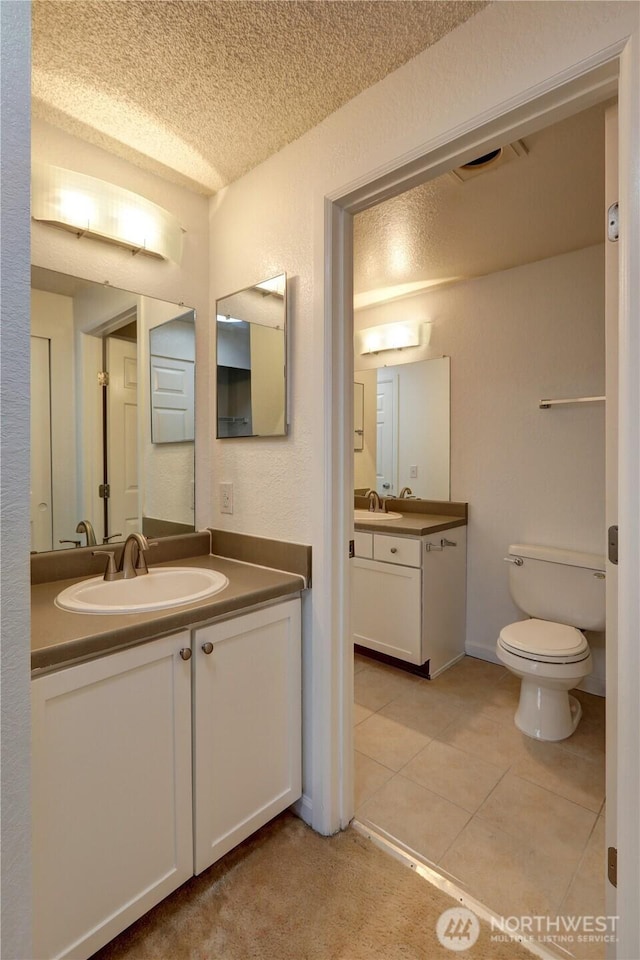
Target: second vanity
<point>408,583</point>
<point>160,740</point>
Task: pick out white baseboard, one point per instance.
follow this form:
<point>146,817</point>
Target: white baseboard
<point>303,808</point>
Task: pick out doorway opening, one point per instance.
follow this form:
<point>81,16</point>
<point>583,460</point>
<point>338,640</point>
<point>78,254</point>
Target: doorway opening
<point>558,102</point>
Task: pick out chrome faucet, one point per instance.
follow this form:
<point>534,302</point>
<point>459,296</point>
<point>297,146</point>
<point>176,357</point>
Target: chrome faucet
<point>85,527</point>
<point>133,562</point>
<point>375,503</point>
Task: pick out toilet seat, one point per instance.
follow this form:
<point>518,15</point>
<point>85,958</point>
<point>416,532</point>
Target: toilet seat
<point>545,641</point>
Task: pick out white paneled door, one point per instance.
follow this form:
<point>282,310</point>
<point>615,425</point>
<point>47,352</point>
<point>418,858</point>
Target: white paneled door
<point>41,486</point>
<point>122,437</point>
<point>386,437</point>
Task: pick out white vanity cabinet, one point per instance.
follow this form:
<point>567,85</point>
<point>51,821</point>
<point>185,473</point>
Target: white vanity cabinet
<point>247,726</point>
<point>111,787</point>
<point>408,596</point>
<point>126,746</point>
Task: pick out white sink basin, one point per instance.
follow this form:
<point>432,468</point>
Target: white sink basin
<point>370,515</point>
<point>164,587</point>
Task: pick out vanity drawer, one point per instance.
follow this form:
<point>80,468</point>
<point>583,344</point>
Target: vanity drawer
<point>402,550</point>
<point>363,543</point>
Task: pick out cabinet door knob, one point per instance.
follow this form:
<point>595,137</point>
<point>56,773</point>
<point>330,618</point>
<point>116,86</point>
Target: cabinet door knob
<point>185,653</point>
<point>394,549</point>
<point>207,647</point>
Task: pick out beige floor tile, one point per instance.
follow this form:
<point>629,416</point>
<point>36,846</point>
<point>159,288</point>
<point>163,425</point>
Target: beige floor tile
<point>504,872</point>
<point>453,774</point>
<point>567,774</point>
<point>589,739</point>
<point>586,896</point>
<point>375,686</point>
<point>359,662</point>
<point>557,827</point>
<point>418,818</point>
<point>502,699</point>
<point>469,678</point>
<point>369,776</point>
<point>388,742</point>
<point>422,709</point>
<point>360,713</point>
<point>498,743</point>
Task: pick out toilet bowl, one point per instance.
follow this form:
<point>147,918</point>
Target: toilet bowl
<point>550,659</point>
<point>561,590</point>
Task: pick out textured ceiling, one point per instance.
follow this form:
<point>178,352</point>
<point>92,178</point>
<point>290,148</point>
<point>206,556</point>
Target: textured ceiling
<point>549,202</point>
<point>201,92</point>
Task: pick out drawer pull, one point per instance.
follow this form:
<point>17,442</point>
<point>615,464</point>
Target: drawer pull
<point>185,653</point>
<point>207,647</point>
<point>394,550</point>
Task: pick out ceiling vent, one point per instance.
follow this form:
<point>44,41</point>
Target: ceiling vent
<point>489,161</point>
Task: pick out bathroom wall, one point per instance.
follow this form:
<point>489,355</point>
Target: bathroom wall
<point>364,461</point>
<point>529,475</point>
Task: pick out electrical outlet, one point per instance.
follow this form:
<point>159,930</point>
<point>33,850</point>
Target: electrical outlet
<point>413,472</point>
<point>226,498</point>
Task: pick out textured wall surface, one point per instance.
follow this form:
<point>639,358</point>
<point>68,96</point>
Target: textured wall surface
<point>15,723</point>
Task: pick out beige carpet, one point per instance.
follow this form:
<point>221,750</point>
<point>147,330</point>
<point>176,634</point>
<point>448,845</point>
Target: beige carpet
<point>290,894</point>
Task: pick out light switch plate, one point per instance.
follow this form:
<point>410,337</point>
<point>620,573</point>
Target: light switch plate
<point>226,498</point>
<point>413,472</point>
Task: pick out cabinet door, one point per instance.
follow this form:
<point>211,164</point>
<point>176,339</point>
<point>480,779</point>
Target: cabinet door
<point>387,608</point>
<point>112,824</point>
<point>247,753</point>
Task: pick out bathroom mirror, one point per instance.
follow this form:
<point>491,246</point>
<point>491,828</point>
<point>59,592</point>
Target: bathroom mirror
<point>406,424</point>
<point>358,416</point>
<point>251,356</point>
<point>93,457</point>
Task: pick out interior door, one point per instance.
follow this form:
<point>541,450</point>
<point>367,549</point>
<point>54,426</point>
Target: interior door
<point>41,487</point>
<point>172,399</point>
<point>122,437</point>
<point>386,438</point>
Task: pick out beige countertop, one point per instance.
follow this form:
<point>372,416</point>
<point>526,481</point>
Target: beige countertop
<point>411,524</point>
<point>59,637</point>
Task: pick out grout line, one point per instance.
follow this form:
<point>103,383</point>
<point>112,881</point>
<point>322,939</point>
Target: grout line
<point>436,879</point>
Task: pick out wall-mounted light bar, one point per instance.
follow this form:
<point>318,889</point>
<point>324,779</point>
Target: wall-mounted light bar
<point>393,336</point>
<point>94,208</point>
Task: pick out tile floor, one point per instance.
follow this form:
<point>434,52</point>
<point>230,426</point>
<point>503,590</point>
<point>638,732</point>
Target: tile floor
<point>442,768</point>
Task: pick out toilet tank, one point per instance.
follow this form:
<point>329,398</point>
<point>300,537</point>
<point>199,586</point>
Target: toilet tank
<point>561,585</point>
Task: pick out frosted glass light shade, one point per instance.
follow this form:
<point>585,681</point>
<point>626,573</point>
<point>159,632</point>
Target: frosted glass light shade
<point>393,336</point>
<point>94,208</point>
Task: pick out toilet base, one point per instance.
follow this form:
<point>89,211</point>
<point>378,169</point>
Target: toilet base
<point>545,712</point>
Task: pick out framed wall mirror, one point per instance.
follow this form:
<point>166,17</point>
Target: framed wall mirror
<point>96,462</point>
<point>251,361</point>
<point>406,423</point>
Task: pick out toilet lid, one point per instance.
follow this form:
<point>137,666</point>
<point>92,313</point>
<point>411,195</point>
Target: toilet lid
<point>544,638</point>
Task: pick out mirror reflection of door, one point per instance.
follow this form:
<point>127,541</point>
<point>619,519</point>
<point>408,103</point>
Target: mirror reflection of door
<point>122,436</point>
<point>386,444</point>
<point>41,487</point>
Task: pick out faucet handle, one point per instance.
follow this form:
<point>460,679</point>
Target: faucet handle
<point>111,572</point>
<point>76,543</point>
<point>112,536</point>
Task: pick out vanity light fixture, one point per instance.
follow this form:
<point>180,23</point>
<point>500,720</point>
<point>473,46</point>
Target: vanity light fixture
<point>227,319</point>
<point>94,208</point>
<point>394,336</point>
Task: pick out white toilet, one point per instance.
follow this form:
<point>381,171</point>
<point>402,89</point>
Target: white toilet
<point>562,590</point>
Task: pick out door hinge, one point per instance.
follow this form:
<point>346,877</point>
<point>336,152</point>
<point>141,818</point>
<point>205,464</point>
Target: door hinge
<point>104,491</point>
<point>613,222</point>
<point>612,540</point>
<point>103,378</point>
<point>352,549</point>
<point>612,866</point>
